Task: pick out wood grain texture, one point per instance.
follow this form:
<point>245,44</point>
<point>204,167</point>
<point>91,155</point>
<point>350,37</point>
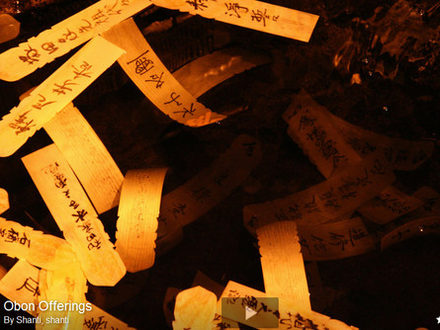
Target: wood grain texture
<point>87,156</point>
<point>66,285</point>
<point>84,25</point>
<point>41,250</point>
<point>138,211</point>
<point>256,15</point>
<point>23,273</point>
<point>283,265</point>
<point>195,309</point>
<point>75,215</point>
<point>151,76</point>
<point>21,284</point>
<point>56,92</point>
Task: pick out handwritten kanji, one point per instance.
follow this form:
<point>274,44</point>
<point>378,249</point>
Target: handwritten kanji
<point>62,88</point>
<point>42,102</point>
<point>21,125</point>
<point>174,98</point>
<point>31,56</point>
<point>49,47</point>
<point>83,70</point>
<point>156,79</point>
<point>234,9</point>
<point>31,285</point>
<point>186,111</point>
<point>143,64</point>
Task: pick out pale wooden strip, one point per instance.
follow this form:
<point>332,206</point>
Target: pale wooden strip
<point>423,221</point>
<point>288,317</point>
<point>256,15</point>
<point>405,155</point>
<point>335,240</point>
<point>49,98</point>
<point>87,156</point>
<point>138,211</point>
<point>206,72</point>
<point>149,74</point>
<point>218,322</point>
<point>75,215</point>
<point>21,284</point>
<point>283,265</point>
<point>312,128</point>
<point>65,36</point>
<point>331,199</point>
<point>4,201</point>
<point>66,285</point>
<point>195,309</point>
<point>389,205</point>
<point>39,249</point>
<point>205,190</point>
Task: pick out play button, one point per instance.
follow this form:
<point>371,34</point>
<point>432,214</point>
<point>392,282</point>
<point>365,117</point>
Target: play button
<point>249,312</point>
<point>256,312</point>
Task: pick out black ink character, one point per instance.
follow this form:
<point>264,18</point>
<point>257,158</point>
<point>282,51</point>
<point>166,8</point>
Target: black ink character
<point>198,4</point>
<point>143,64</point>
<point>80,215</point>
<point>260,16</point>
<point>49,47</point>
<point>174,98</point>
<point>31,285</point>
<point>156,79</point>
<point>21,125</point>
<point>42,102</point>
<point>234,9</point>
<point>63,88</point>
<point>83,70</point>
<point>186,111</point>
<point>31,56</point>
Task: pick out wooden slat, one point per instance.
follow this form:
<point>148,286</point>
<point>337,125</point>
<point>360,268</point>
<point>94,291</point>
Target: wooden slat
<point>52,95</point>
<point>42,250</point>
<point>256,15</point>
<point>195,309</point>
<point>151,76</point>
<point>75,215</point>
<point>283,265</point>
<point>65,36</point>
<point>87,156</point>
<point>138,211</point>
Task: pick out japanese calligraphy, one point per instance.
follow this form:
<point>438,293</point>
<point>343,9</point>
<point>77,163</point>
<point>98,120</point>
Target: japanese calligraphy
<point>58,90</point>
<point>31,285</point>
<point>66,35</point>
<point>202,192</point>
<point>151,76</point>
<point>335,240</point>
<point>75,215</point>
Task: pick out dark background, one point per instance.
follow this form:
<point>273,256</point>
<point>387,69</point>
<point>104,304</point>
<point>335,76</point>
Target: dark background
<point>394,289</point>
